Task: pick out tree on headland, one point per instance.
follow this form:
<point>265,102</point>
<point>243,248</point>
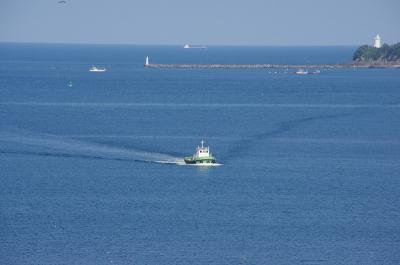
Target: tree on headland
<point>387,53</point>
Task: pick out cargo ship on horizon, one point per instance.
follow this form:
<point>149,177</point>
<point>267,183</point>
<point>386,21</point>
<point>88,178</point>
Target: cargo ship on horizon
<point>188,46</point>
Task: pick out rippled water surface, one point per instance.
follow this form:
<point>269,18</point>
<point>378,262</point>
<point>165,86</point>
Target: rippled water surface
<point>92,173</point>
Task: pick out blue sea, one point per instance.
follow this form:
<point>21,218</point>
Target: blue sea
<point>90,171</point>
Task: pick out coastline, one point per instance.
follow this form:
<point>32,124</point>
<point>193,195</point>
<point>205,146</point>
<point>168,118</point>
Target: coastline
<point>376,64</point>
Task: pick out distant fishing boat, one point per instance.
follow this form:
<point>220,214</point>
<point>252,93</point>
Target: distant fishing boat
<point>202,157</point>
<point>187,46</point>
<point>301,72</point>
<point>95,69</point>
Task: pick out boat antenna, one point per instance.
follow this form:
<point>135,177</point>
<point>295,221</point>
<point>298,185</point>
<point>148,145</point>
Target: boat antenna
<point>202,142</point>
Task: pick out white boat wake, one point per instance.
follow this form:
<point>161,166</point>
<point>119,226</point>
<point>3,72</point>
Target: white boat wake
<point>181,162</point>
<point>51,145</point>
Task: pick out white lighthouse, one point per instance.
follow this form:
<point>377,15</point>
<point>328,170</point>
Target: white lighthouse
<point>377,43</point>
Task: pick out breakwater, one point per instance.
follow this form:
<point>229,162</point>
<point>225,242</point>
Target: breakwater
<point>248,66</point>
<point>270,66</point>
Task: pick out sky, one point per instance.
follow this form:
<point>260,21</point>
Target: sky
<point>206,22</point>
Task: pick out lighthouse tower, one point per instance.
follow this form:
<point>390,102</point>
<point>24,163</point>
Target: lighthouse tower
<point>377,43</point>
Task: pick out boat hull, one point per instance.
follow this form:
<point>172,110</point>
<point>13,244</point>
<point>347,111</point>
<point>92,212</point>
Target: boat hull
<point>199,161</point>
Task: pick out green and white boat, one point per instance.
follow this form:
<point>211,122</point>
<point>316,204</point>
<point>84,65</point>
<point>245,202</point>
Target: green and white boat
<point>202,157</point>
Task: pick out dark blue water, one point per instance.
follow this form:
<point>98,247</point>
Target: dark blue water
<point>310,174</point>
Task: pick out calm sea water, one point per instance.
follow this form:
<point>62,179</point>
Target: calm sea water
<point>310,174</point>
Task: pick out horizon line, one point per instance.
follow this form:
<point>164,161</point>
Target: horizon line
<point>180,44</point>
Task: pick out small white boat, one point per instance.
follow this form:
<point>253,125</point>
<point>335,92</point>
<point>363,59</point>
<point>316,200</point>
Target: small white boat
<point>301,72</point>
<point>95,69</point>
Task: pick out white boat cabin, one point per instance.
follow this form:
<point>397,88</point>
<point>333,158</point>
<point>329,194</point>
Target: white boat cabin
<point>202,151</point>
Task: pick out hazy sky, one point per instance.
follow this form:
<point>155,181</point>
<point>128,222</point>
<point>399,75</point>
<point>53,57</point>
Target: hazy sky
<point>232,22</point>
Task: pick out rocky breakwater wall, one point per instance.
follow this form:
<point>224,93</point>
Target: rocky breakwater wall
<point>249,66</point>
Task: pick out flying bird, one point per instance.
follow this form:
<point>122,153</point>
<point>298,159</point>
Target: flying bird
<point>62,2</point>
